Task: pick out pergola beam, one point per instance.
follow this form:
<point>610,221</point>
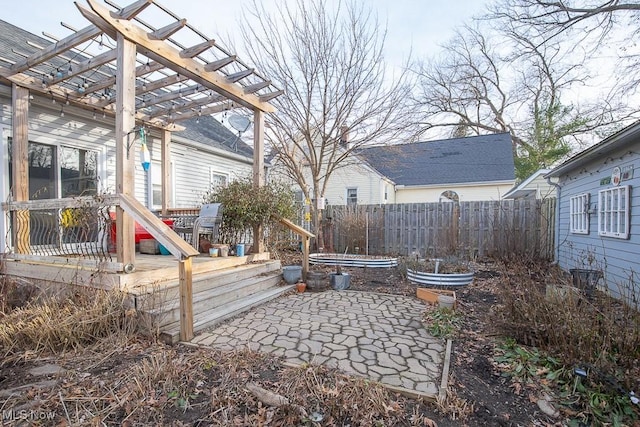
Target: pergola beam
<point>269,96</point>
<point>257,86</point>
<point>204,112</point>
<point>158,84</point>
<point>164,53</point>
<point>232,78</point>
<point>55,49</point>
<point>196,50</point>
<point>130,11</point>
<point>220,63</point>
<point>96,61</point>
<point>167,31</point>
<point>183,107</point>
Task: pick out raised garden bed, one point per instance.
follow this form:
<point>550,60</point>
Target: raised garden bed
<point>349,260</point>
<point>441,274</point>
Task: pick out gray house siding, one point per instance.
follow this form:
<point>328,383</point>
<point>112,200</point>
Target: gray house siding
<point>618,259</point>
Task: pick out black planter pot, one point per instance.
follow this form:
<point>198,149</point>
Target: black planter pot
<point>340,282</point>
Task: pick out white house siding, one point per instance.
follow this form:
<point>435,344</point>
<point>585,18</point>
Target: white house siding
<point>191,161</point>
<point>192,165</point>
<point>370,185</point>
<point>542,188</point>
<point>46,126</point>
<point>466,192</point>
<point>617,258</point>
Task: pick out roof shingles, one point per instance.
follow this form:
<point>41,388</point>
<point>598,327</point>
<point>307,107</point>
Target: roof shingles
<point>449,161</point>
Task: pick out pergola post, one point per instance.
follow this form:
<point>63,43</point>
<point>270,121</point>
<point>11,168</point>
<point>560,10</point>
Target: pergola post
<point>21,229</point>
<point>258,171</point>
<point>125,147</point>
<point>167,194</point>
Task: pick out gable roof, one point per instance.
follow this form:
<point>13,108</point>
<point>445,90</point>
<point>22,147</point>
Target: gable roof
<point>619,139</point>
<point>206,130</point>
<point>522,189</point>
<point>446,161</point>
<point>213,133</point>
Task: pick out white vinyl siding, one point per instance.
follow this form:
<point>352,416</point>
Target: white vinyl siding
<point>613,212</point>
<point>579,214</point>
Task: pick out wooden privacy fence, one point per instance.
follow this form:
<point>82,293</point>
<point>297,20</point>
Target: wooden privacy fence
<point>469,229</point>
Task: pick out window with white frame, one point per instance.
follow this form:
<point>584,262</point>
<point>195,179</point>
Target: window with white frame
<point>156,184</point>
<point>352,196</point>
<point>218,179</point>
<point>613,212</point>
<point>579,214</point>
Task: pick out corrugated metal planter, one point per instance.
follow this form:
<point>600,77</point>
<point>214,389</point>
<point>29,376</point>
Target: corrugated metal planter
<point>349,260</point>
<point>440,279</point>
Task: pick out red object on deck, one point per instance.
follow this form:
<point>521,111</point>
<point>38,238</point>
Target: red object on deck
<point>140,233</point>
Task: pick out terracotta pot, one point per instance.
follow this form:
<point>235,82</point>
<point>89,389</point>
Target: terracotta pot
<point>301,287</point>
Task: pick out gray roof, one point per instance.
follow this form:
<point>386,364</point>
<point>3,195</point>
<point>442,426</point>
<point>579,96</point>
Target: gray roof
<point>447,161</point>
<point>207,130</point>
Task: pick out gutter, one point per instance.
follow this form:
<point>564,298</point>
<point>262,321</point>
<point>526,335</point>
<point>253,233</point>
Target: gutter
<point>556,236</point>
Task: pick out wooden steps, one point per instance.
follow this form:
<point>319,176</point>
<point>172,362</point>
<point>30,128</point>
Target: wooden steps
<point>171,334</point>
<point>217,295</point>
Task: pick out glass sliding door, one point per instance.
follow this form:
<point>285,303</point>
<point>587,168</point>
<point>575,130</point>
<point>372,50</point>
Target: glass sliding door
<point>60,172</point>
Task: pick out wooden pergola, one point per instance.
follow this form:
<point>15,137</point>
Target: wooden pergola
<point>144,77</point>
<point>148,79</point>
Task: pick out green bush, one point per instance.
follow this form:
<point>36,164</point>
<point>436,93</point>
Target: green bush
<point>246,206</point>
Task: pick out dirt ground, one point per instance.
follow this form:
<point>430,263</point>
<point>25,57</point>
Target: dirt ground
<point>136,381</point>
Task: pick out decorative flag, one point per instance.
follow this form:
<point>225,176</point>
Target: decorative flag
<point>145,156</point>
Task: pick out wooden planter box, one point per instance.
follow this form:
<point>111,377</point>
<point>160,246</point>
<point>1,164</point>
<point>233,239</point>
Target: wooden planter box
<point>431,295</point>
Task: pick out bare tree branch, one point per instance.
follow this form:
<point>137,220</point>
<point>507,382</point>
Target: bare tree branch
<point>331,65</point>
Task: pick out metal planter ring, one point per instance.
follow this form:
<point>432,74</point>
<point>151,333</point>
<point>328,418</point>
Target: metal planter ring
<point>453,280</point>
<point>349,260</point>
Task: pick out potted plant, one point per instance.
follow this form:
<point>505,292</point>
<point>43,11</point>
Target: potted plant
<point>339,280</point>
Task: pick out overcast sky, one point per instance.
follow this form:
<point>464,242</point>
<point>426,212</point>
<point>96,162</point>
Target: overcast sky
<point>418,23</point>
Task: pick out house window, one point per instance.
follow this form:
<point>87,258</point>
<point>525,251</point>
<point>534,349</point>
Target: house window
<point>218,179</point>
<point>613,212</point>
<point>156,184</point>
<point>352,196</point>
<point>579,214</point>
<point>449,196</point>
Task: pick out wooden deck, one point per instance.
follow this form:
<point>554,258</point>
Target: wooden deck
<point>149,270</point>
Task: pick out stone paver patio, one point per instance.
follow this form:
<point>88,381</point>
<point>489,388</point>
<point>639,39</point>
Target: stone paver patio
<point>378,336</point>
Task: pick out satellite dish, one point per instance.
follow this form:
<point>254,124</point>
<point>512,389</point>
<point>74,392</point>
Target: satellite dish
<point>239,123</point>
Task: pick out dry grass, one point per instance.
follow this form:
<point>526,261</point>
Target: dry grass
<point>603,332</point>
<point>143,383</point>
<point>57,324</point>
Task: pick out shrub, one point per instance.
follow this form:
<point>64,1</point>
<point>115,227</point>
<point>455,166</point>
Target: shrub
<point>603,332</point>
<point>246,206</point>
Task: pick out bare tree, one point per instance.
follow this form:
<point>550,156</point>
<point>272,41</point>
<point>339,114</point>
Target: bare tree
<point>330,63</point>
<point>604,25</point>
<point>513,86</point>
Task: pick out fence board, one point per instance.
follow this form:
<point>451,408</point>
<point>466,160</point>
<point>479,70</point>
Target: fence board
<point>469,229</point>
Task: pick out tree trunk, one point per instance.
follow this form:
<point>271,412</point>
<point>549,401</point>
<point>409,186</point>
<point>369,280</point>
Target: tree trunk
<point>317,220</point>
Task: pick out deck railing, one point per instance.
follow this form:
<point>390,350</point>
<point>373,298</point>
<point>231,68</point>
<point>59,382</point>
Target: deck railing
<point>72,227</point>
<point>44,230</point>
<point>306,237</point>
